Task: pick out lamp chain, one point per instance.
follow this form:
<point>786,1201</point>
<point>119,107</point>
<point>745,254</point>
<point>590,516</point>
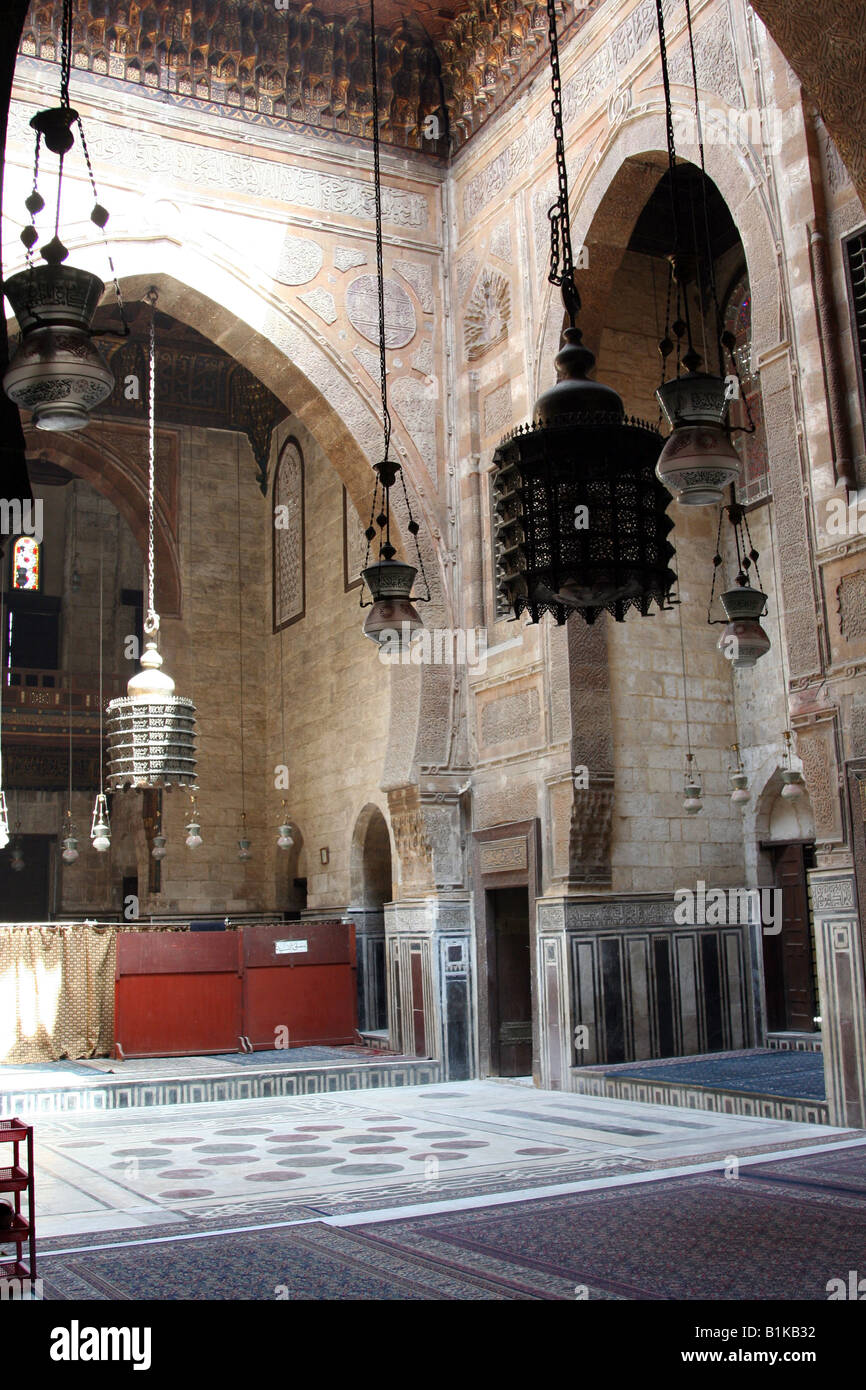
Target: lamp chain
<point>380,273</point>
<point>561,260</point>
<point>151,622</point>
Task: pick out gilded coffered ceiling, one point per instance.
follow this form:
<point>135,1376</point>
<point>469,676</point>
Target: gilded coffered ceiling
<point>443,69</point>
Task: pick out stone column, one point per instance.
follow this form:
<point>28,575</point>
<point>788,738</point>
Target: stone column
<point>839,951</point>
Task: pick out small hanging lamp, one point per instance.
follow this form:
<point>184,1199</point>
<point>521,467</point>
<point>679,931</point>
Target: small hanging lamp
<point>151,731</point>
<point>739,779</point>
<point>284,836</point>
<point>692,786</point>
<point>793,782</point>
<point>58,372</point>
<point>159,850</point>
<point>193,829</point>
<point>244,851</point>
<point>17,860</point>
<point>70,842</point>
<point>743,641</point>
<point>393,620</point>
<point>100,826</point>
<point>581,518</point>
<point>698,460</point>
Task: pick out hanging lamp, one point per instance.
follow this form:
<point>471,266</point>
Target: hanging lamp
<point>58,373</point>
<point>69,853</point>
<point>285,839</point>
<point>393,620</point>
<point>698,460</point>
<point>580,516</point>
<point>692,784</point>
<point>793,782</point>
<point>100,825</point>
<point>4,812</point>
<point>244,851</point>
<point>151,731</point>
<point>743,641</point>
<point>739,779</point>
<point>193,828</point>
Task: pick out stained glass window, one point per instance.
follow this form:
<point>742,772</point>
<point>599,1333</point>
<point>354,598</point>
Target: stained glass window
<point>26,563</point>
<point>752,448</point>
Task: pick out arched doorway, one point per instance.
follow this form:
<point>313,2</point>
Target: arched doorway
<point>372,888</point>
<point>788,937</point>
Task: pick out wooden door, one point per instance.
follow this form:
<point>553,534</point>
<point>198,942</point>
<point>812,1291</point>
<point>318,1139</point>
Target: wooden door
<point>511,1006</point>
<point>788,968</point>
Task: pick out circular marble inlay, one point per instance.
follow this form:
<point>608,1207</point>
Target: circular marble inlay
<point>227,1158</point>
<point>440,1133</point>
<point>312,1162</point>
<point>139,1163</point>
<point>464,1144</point>
<point>271,1176</point>
<point>541,1151</point>
<point>379,1149</point>
<point>357,1139</point>
<point>139,1153</point>
<point>391,1129</point>
<point>302,1129</point>
<point>181,1173</point>
<point>187,1192</point>
<point>224,1148</point>
<point>188,1139</point>
<point>364,1170</point>
<point>362,309</point>
<point>247,1129</point>
<point>299,1148</point>
<point>442,1157</point>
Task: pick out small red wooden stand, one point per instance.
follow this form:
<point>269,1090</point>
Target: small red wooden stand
<point>17,1178</point>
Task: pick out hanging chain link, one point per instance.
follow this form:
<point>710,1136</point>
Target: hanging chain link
<point>380,273</point>
<point>682,298</point>
<point>151,622</point>
<point>561,259</point>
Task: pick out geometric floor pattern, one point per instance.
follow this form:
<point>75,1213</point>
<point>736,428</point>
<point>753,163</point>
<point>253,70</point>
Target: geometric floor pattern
<point>218,1164</point>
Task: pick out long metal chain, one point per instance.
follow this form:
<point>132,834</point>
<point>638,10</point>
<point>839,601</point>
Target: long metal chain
<point>380,272</point>
<point>682,298</point>
<point>65,51</point>
<point>561,259</point>
<point>151,622</point>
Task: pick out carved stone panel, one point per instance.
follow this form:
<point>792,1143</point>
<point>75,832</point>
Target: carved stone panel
<point>300,261</point>
<point>362,308</point>
<point>488,314</point>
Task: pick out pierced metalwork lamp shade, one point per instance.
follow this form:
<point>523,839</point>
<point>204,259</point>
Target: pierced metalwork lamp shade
<point>581,517</point>
<point>698,460</point>
<point>151,731</point>
<point>392,618</point>
<point>58,372</point>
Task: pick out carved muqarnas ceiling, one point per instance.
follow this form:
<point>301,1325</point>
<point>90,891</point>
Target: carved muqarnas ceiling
<point>442,71</point>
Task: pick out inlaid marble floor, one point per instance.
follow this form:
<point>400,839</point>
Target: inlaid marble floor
<point>299,1158</point>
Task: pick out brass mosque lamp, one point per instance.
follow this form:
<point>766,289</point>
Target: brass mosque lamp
<point>393,620</point>
<point>698,460</point>
<point>743,641</point>
<point>57,372</point>
<point>581,518</point>
<point>151,730</point>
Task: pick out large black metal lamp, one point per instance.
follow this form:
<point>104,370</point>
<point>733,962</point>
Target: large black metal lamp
<point>580,514</point>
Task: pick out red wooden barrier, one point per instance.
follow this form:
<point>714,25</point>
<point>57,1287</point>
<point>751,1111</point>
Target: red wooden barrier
<point>301,978</point>
<point>180,993</point>
<point>177,993</point>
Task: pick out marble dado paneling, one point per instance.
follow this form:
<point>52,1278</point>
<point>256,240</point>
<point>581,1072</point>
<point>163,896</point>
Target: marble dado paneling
<point>623,983</point>
<point>839,953</point>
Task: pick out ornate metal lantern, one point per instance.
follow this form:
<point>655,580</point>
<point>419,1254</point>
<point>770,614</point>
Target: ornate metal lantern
<point>580,515</point>
<point>392,619</point>
<point>57,372</point>
<point>151,731</point>
<point>698,460</point>
<point>739,779</point>
<point>743,640</point>
<point>693,790</point>
<point>793,782</point>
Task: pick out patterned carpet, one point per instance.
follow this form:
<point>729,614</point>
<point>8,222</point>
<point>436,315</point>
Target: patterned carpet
<point>799,1075</point>
<point>774,1231</point>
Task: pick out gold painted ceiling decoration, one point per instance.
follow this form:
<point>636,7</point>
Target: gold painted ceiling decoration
<point>440,74</point>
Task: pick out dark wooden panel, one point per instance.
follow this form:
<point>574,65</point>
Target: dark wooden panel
<point>419,1031</point>
<point>315,1004</point>
<point>164,1015</point>
<point>177,953</point>
<point>328,943</point>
